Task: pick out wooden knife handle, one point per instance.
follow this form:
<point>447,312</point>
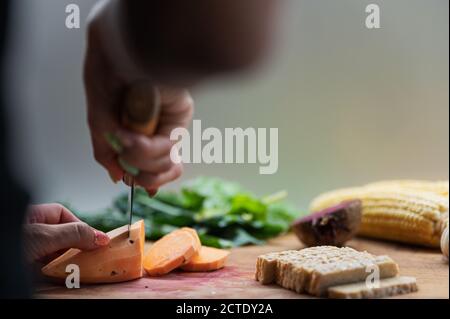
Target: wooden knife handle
<point>140,112</point>
<point>141,108</point>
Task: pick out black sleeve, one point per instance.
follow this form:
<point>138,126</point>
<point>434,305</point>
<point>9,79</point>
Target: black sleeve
<point>14,279</point>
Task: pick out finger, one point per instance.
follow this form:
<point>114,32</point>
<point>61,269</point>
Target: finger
<point>139,150</point>
<point>103,93</point>
<point>79,235</point>
<point>74,235</point>
<point>152,181</point>
<point>152,191</point>
<point>50,214</point>
<point>137,146</point>
<point>153,166</point>
<point>176,111</point>
<point>43,240</point>
<point>106,156</point>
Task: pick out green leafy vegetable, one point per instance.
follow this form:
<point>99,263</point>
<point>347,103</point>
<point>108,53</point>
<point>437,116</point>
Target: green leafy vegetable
<point>223,213</point>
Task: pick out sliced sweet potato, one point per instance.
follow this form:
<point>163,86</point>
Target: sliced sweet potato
<point>207,259</point>
<point>197,243</point>
<point>120,261</point>
<point>172,251</point>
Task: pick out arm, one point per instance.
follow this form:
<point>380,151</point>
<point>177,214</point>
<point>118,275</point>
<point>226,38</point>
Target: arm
<point>172,44</point>
<point>184,41</point>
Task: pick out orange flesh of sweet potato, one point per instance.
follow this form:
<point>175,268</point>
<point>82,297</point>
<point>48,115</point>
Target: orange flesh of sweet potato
<point>207,259</point>
<point>172,251</point>
<point>120,261</point>
<point>197,243</point>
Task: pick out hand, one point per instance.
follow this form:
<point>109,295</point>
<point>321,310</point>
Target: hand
<point>105,85</point>
<point>51,228</point>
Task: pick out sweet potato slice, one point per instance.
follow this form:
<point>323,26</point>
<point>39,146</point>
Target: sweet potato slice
<point>172,251</point>
<point>197,242</point>
<point>207,259</point>
<point>120,261</point>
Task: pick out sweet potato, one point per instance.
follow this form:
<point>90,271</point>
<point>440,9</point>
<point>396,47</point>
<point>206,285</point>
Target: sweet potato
<point>120,261</point>
<point>172,251</point>
<point>207,259</point>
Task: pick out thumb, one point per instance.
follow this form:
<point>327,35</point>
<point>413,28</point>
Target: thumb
<point>42,239</point>
<point>78,235</point>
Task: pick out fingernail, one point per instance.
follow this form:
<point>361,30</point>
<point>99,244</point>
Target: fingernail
<point>128,168</point>
<point>101,239</point>
<point>152,192</point>
<point>114,179</point>
<point>114,142</point>
<point>124,138</point>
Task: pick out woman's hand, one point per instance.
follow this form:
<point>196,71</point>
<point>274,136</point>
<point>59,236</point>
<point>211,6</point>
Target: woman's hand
<point>105,82</point>
<point>51,228</point>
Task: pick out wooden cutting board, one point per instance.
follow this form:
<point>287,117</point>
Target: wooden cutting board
<point>236,280</point>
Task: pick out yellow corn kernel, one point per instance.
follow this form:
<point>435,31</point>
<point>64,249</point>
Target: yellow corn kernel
<point>398,224</point>
<point>438,187</point>
<point>404,211</point>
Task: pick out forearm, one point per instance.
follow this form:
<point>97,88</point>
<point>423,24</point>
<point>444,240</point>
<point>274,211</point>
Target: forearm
<point>184,40</point>
<point>106,31</point>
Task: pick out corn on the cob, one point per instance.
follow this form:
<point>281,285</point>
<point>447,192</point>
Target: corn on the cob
<point>396,210</point>
<point>439,187</point>
<point>444,242</point>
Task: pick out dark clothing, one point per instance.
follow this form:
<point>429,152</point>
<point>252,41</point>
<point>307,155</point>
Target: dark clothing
<point>14,279</point>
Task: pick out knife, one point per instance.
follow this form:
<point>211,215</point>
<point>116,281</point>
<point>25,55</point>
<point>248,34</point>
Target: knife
<point>142,104</point>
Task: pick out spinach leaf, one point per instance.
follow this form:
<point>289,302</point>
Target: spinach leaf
<point>223,213</point>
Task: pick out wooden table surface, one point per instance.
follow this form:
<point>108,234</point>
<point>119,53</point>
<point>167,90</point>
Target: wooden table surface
<point>236,280</point>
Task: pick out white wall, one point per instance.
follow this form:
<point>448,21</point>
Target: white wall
<point>352,105</point>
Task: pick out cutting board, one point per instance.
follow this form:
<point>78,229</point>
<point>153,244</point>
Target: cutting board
<point>236,280</point>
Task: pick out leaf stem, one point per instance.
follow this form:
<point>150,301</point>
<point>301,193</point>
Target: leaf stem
<point>275,197</point>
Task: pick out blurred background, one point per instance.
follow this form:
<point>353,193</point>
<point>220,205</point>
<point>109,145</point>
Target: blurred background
<point>352,105</point>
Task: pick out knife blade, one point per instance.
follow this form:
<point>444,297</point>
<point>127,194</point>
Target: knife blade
<point>140,115</point>
<point>130,206</point>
